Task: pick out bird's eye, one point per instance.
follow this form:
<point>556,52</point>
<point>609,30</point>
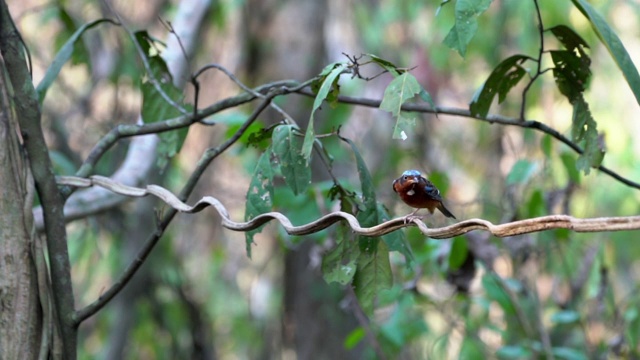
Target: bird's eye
<point>405,177</point>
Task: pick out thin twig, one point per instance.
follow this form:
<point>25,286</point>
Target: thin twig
<point>538,62</point>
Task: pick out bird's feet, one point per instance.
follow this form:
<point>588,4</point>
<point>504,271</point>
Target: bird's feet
<point>409,218</point>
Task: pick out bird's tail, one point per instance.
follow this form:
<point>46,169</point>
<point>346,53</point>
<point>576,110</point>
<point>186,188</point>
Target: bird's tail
<point>445,211</point>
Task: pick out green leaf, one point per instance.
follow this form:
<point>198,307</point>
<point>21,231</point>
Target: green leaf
<point>569,162</point>
<point>458,253</point>
<point>62,57</point>
<point>613,44</point>
<point>513,352</point>
<point>495,292</point>
<point>80,53</point>
<point>401,89</point>
<point>374,270</point>
<point>571,73</point>
<point>156,108</point>
<point>504,77</point>
<point>466,24</point>
<point>259,195</point>
<point>521,172</point>
<point>546,143</point>
<point>536,205</point>
<point>584,128</point>
<point>570,39</point>
<point>568,353</point>
<point>354,338</point>
<point>373,276</point>
<point>286,148</point>
<point>387,65</point>
<point>328,91</point>
<point>472,349</point>
<point>425,96</point>
<point>340,263</point>
<point>396,241</point>
<point>565,317</point>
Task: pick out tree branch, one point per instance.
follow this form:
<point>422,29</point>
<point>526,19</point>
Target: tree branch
<point>29,118</point>
<point>497,119</point>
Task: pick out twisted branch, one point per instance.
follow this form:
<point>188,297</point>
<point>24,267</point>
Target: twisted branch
<point>502,230</point>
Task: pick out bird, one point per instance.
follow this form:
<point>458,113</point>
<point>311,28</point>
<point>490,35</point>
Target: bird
<point>420,193</point>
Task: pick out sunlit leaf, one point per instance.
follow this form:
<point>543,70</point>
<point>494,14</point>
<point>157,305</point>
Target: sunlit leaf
<point>259,195</point>
<point>328,91</point>
<point>286,148</point>
<point>612,42</point>
<point>466,24</point>
<point>504,77</point>
<point>62,57</point>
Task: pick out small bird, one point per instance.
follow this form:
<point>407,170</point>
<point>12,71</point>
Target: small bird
<point>420,193</point>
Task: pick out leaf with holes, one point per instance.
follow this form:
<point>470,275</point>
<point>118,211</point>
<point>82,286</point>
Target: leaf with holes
<point>571,73</point>
<point>401,89</point>
<point>504,77</point>
<point>259,195</point>
<point>340,263</point>
<point>286,148</point>
<point>584,128</point>
<point>466,24</point>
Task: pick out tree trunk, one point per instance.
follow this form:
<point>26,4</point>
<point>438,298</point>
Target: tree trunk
<point>20,311</point>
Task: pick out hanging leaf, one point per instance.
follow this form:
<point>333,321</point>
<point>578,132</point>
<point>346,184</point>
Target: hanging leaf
<point>504,77</point>
<point>259,195</point>
<point>65,53</point>
<point>401,89</point>
<point>612,42</point>
<point>286,148</point>
<point>340,263</point>
<point>156,108</point>
<point>373,276</point>
<point>329,91</point>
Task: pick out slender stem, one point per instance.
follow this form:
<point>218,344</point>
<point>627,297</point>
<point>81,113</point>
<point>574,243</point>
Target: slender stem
<point>538,61</point>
